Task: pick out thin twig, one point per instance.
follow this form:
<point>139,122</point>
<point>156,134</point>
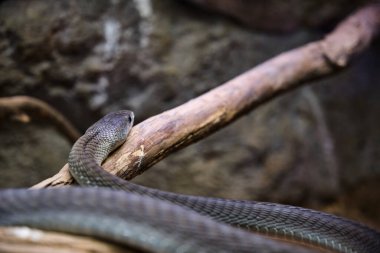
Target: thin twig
<point>25,109</point>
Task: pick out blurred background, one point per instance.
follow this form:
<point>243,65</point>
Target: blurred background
<point>317,146</point>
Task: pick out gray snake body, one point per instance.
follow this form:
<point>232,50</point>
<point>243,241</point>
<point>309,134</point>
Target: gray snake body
<point>159,221</point>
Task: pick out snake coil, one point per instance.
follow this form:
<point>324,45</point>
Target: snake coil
<point>159,221</point>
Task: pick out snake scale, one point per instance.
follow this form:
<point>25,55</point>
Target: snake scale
<point>157,221</point>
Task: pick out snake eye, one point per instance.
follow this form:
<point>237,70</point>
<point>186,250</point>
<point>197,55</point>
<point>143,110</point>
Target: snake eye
<point>130,118</point>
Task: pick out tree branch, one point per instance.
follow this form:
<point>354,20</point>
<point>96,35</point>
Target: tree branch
<point>23,108</point>
<point>157,137</point>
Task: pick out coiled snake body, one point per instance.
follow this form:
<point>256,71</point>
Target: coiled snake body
<point>158,221</point>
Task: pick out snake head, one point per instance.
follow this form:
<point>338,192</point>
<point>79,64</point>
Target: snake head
<point>112,128</point>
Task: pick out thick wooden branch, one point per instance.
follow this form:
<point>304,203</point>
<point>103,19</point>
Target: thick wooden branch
<point>158,136</point>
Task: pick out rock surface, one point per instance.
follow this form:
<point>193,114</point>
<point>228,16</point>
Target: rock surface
<point>30,151</point>
<point>315,147</point>
<point>282,16</point>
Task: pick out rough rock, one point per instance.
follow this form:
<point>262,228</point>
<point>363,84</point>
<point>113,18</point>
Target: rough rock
<point>31,151</point>
<point>282,16</point>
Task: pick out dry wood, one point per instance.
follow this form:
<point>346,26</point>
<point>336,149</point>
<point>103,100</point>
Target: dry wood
<point>23,239</point>
<point>25,109</point>
<point>157,137</point>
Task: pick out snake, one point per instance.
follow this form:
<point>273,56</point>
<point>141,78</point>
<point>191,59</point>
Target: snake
<point>151,220</point>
